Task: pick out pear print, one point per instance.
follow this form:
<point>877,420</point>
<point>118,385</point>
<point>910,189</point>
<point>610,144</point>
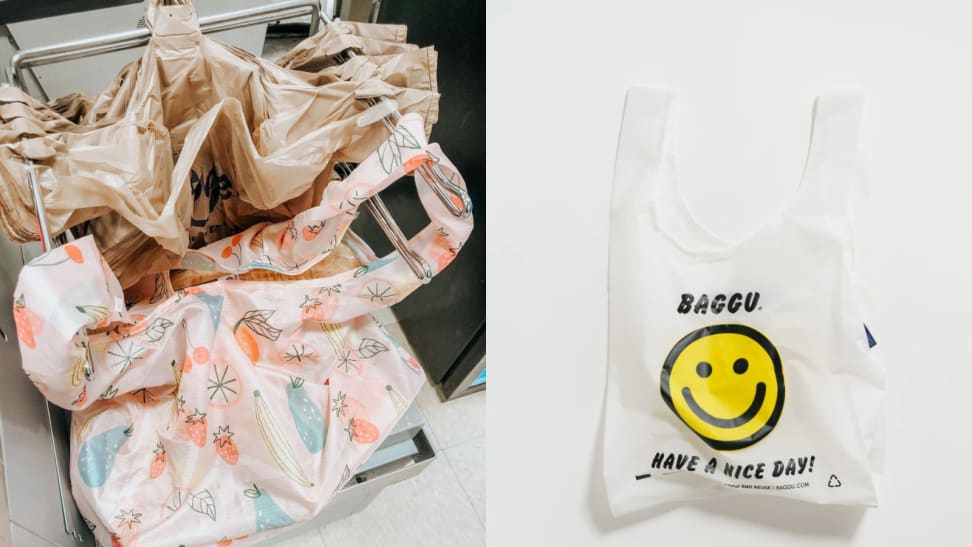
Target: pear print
<point>307,417</point>
<point>269,515</point>
<point>215,304</point>
<point>97,455</point>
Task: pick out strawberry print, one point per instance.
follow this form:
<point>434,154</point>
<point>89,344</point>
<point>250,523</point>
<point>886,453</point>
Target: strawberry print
<point>311,309</point>
<point>360,430</point>
<point>158,462</point>
<point>318,308</point>
<point>196,426</point>
<point>225,447</point>
<point>27,323</point>
<point>311,231</point>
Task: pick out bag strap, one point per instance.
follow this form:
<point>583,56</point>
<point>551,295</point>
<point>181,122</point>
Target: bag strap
<point>834,160</point>
<point>642,146</point>
<point>294,247</point>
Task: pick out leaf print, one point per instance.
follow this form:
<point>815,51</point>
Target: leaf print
<point>298,353</point>
<point>109,392</point>
<point>222,387</point>
<point>258,322</point>
<point>157,329</point>
<point>404,138</point>
<point>390,152</point>
<point>177,501</point>
<point>202,502</point>
<point>370,347</point>
<point>125,356</point>
<point>389,155</point>
<point>333,289</point>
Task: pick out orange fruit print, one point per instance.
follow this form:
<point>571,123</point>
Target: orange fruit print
<point>247,343</point>
<point>74,253</point>
<point>200,354</point>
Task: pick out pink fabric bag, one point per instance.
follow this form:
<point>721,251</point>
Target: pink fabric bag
<point>235,408</point>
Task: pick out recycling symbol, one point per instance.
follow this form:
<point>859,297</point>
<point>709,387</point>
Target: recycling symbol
<point>834,482</point>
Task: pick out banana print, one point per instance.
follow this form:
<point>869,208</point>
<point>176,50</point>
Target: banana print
<point>280,448</point>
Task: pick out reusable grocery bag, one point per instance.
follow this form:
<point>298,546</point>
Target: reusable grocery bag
<point>225,411</point>
<point>737,367</point>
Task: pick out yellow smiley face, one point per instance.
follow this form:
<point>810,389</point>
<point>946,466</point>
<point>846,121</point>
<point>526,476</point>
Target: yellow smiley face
<point>726,383</point>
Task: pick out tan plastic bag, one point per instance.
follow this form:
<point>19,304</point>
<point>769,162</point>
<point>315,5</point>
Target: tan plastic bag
<point>194,136</point>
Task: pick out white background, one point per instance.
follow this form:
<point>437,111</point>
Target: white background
<point>746,74</point>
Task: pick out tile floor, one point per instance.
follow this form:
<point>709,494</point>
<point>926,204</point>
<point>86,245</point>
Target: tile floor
<point>445,505</point>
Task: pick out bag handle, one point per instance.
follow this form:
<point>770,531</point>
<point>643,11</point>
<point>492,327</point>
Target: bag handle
<point>293,247</point>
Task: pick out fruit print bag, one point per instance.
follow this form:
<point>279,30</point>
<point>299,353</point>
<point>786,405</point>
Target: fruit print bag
<point>227,410</point>
<point>737,367</point>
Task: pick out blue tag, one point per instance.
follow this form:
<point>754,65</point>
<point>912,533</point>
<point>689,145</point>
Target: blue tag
<point>871,342</point>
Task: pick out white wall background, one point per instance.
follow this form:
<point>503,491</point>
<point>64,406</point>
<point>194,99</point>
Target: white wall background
<point>746,73</point>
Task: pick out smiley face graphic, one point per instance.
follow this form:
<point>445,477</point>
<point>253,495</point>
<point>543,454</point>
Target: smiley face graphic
<point>725,382</point>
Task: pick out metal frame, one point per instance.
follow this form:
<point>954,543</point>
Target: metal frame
<point>79,49</point>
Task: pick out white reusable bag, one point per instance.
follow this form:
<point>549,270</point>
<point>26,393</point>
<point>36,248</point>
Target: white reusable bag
<point>737,367</point>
